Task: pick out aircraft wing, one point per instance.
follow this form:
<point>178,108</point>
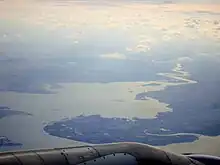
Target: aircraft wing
<point>103,154</point>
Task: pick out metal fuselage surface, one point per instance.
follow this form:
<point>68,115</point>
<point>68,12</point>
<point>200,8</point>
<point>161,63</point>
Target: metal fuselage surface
<point>104,154</point>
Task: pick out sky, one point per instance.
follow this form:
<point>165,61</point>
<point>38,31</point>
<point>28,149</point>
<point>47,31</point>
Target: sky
<point>52,38</point>
<point>45,43</point>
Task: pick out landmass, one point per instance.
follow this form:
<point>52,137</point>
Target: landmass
<point>6,111</point>
<point>97,129</point>
<point>49,76</point>
<point>5,142</point>
<point>151,84</point>
<point>195,112</point>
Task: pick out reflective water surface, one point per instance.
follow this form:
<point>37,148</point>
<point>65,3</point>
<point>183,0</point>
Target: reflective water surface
<point>75,72</point>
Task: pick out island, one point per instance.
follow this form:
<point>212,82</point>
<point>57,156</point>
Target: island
<point>96,129</point>
<point>5,142</point>
<point>6,111</point>
<point>195,111</point>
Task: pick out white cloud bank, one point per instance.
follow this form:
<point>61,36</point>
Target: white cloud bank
<point>185,59</point>
<point>117,56</point>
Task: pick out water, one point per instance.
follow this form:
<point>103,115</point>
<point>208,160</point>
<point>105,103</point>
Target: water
<point>52,107</point>
<point>62,59</point>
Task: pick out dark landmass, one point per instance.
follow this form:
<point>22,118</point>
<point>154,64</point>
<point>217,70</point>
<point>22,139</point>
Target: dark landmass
<point>32,78</point>
<point>6,111</point>
<point>151,84</point>
<point>195,111</point>
<point>196,107</point>
<point>96,129</point>
<point>141,96</point>
<point>5,142</point>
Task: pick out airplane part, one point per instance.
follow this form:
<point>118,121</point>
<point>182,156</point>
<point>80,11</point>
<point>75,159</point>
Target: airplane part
<point>103,154</point>
<point>206,159</point>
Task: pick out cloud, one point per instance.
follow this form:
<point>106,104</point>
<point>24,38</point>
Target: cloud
<point>138,48</point>
<point>142,46</point>
<point>117,56</point>
<point>185,59</point>
<point>72,63</point>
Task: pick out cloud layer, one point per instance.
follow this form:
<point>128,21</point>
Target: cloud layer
<point>116,56</point>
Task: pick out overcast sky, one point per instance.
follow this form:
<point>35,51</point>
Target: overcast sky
<point>54,38</point>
